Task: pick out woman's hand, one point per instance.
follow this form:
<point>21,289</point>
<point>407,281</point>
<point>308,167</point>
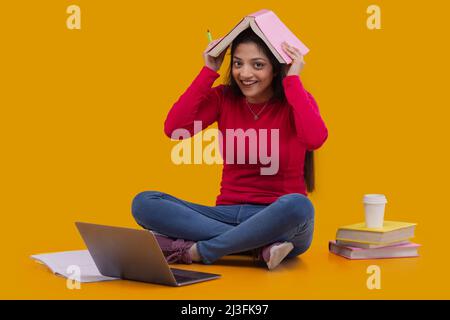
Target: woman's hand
<point>211,62</point>
<point>297,63</point>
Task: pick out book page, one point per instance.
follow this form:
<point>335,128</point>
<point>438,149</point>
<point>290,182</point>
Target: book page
<point>226,40</point>
<point>59,263</point>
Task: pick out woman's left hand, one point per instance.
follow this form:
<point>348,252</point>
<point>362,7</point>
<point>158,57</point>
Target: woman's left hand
<point>297,63</point>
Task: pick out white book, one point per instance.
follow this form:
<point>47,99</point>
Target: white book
<point>368,245</point>
<point>408,249</point>
<point>60,263</point>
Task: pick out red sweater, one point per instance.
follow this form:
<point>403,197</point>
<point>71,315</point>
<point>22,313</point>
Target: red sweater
<point>300,127</point>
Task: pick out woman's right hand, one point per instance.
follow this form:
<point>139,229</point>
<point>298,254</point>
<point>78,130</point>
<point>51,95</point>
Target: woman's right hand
<point>211,62</point>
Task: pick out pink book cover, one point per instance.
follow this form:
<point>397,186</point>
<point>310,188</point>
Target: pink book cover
<point>277,32</point>
<point>406,245</point>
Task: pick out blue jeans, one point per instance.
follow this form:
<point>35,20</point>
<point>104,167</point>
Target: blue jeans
<point>227,229</point>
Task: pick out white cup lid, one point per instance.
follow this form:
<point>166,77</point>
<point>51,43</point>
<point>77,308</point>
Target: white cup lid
<point>374,198</point>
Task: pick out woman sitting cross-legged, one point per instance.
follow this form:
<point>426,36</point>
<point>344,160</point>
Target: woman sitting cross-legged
<point>255,212</point>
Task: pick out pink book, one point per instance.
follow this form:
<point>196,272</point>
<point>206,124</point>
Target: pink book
<point>405,250</point>
<point>269,28</point>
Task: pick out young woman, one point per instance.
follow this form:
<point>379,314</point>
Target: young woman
<point>269,213</point>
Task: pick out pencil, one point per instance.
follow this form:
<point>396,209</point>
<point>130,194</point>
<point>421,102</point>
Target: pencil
<point>208,34</point>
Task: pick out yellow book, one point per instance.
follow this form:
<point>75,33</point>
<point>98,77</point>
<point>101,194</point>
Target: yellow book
<point>392,231</point>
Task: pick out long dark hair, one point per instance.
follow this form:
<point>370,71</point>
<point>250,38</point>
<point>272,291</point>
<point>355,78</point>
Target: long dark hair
<point>248,36</point>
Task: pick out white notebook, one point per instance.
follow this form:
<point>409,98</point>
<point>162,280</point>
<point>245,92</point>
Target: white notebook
<point>59,263</point>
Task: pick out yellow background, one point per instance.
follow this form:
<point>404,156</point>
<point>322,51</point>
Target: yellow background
<point>81,125</point>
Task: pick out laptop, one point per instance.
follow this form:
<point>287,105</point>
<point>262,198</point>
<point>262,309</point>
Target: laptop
<point>133,254</point>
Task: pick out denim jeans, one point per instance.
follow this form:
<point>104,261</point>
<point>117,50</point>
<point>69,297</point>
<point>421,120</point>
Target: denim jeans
<point>227,229</point>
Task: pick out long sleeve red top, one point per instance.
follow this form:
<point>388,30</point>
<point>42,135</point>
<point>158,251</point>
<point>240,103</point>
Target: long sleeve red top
<point>300,126</point>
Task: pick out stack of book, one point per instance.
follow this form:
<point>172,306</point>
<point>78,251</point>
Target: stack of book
<point>392,241</point>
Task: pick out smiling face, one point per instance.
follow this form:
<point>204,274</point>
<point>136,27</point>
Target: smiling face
<point>253,72</point>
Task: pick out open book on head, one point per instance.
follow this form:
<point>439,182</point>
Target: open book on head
<point>269,28</point>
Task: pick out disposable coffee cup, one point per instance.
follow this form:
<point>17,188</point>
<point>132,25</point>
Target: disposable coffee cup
<point>374,205</point>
